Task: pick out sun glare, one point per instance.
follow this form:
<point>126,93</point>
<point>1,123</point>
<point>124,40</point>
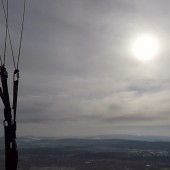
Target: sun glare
<point>145,47</point>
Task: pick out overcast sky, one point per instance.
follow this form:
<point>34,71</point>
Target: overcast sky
<point>78,75</point>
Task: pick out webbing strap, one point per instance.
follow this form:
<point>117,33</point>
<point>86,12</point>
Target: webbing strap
<point>11,152</point>
<point>1,95</point>
<point>15,91</point>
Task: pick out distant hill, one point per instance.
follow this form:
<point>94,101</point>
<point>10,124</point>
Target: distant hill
<point>92,143</point>
<point>132,137</point>
<point>105,141</point>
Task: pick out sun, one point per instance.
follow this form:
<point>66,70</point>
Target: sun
<point>145,47</point>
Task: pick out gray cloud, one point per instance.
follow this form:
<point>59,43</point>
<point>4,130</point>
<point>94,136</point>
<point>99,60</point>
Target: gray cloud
<point>78,76</point>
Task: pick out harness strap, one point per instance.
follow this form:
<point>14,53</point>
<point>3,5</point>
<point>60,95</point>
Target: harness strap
<point>1,95</point>
<point>15,91</point>
<point>11,152</point>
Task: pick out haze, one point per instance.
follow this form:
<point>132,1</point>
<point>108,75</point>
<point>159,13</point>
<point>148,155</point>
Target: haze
<point>78,74</point>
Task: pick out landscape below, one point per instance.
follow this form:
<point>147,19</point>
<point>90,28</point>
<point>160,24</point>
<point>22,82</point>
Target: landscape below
<point>95,153</point>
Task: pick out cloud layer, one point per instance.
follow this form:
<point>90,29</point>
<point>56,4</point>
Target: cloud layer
<point>78,75</point>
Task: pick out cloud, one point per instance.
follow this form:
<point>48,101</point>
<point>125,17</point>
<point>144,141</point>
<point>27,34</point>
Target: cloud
<point>77,71</point>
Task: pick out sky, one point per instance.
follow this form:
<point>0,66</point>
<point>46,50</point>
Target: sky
<point>78,75</point>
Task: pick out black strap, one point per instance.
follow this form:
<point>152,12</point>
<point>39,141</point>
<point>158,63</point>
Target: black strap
<point>1,95</point>
<point>11,152</point>
<point>15,91</point>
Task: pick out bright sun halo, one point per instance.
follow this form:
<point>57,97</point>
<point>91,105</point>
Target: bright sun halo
<point>145,47</point>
